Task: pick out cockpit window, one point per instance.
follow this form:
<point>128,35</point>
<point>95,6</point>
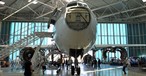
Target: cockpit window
<point>72,4</point>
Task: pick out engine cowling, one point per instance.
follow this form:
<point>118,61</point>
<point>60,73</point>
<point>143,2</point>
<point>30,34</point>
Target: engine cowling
<point>26,53</point>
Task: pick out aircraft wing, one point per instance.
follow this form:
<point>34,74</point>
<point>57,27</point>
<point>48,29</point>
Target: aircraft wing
<point>118,45</point>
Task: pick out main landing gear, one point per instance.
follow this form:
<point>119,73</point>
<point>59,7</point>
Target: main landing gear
<point>75,68</point>
<point>75,53</point>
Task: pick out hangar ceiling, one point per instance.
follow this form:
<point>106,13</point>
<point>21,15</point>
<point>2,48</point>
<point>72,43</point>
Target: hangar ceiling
<point>105,10</point>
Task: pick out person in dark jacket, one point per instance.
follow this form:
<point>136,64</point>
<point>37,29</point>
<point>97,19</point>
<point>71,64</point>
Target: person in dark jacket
<point>28,68</point>
<point>99,62</point>
<point>124,68</point>
<point>125,64</point>
<point>43,68</point>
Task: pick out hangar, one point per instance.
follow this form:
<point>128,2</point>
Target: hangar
<point>31,23</point>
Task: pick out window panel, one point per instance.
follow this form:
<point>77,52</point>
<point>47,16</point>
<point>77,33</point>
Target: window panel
<point>104,29</point>
<point>105,40</point>
<point>110,29</point>
<point>122,29</point>
<point>117,40</point>
<point>12,32</point>
<point>113,33</point>
<point>99,54</point>
<point>111,40</point>
<point>116,30</point>
<point>29,28</point>
<point>22,29</point>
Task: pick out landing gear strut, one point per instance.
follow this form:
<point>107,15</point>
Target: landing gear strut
<point>75,53</point>
<point>75,68</point>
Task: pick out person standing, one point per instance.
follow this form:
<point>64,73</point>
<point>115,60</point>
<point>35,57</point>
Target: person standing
<point>99,62</point>
<point>43,67</point>
<point>124,68</point>
<point>125,64</point>
<point>94,63</point>
<point>28,68</point>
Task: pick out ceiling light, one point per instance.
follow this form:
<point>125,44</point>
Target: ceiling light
<point>35,2</point>
<point>144,0</point>
<point>2,2</point>
<point>69,0</point>
<point>29,0</point>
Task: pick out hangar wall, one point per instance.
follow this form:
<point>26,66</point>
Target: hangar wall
<point>0,26</point>
<point>13,31</point>
<point>5,33</point>
<point>136,34</point>
<point>107,33</point>
<point>110,33</point>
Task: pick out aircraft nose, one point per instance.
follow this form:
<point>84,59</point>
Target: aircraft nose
<point>78,18</point>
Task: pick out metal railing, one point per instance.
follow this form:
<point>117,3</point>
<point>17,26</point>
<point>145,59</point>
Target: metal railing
<point>22,42</point>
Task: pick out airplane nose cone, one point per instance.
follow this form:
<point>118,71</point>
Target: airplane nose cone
<point>78,18</point>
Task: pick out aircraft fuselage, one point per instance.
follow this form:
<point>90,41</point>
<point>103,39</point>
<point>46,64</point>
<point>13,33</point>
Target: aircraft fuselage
<point>76,29</point>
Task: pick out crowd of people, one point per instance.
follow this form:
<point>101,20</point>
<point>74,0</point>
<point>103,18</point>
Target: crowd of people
<point>27,65</point>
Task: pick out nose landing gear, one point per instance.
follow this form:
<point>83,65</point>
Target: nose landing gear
<point>75,70</point>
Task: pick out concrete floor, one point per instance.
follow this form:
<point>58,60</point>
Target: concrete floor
<point>106,70</point>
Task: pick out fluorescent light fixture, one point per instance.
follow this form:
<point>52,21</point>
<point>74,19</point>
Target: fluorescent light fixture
<point>2,2</point>
<point>29,0</point>
<point>144,0</point>
<point>35,2</point>
<point>69,0</point>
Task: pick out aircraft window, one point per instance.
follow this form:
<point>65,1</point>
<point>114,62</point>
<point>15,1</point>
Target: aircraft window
<point>72,4</point>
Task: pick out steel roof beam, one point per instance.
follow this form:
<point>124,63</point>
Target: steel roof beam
<point>41,5</point>
<point>17,11</point>
<point>46,5</point>
<point>44,14</point>
<point>121,12</point>
<point>141,15</point>
<point>10,5</point>
<point>106,6</point>
<point>47,12</point>
<point>33,11</point>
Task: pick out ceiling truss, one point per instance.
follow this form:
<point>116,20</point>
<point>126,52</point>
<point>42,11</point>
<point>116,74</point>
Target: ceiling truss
<point>108,12</point>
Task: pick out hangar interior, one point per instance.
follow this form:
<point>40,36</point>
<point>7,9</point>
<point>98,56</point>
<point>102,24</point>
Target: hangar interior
<point>120,22</point>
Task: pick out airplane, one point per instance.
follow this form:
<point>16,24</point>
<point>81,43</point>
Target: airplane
<point>75,30</point>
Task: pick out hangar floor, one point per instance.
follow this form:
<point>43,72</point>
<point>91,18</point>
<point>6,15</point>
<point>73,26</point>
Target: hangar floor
<point>106,70</point>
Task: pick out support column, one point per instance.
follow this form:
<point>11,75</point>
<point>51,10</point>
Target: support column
<point>52,57</point>
<point>61,56</point>
<point>94,53</point>
<point>0,26</point>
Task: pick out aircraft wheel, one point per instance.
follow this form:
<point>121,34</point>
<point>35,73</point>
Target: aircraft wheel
<point>78,70</point>
<point>72,70</point>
